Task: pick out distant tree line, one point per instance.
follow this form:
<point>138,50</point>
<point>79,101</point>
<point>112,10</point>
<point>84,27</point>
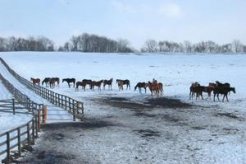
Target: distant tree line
<point>94,43</point>
<point>84,43</point>
<point>29,44</point>
<point>187,47</point>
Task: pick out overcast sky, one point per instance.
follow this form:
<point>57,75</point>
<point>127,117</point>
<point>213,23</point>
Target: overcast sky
<point>135,20</point>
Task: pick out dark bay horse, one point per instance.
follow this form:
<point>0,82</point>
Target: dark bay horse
<point>46,81</point>
<point>53,82</point>
<point>97,84</point>
<point>140,85</point>
<point>224,91</point>
<point>121,83</point>
<point>87,82</point>
<point>35,81</point>
<point>69,80</point>
<point>80,83</point>
<point>108,82</point>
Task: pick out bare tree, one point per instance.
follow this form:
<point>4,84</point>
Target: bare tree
<point>237,46</point>
<point>150,46</point>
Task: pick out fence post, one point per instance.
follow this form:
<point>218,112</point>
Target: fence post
<point>45,111</point>
<point>13,103</point>
<point>74,118</point>
<point>8,147</point>
<point>36,125</point>
<point>28,134</point>
<point>19,142</point>
<point>39,120</point>
<point>74,110</point>
<point>33,134</point>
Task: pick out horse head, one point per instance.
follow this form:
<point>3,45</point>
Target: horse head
<point>233,90</point>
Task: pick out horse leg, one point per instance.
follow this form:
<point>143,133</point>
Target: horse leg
<point>223,98</point>
<point>218,97</point>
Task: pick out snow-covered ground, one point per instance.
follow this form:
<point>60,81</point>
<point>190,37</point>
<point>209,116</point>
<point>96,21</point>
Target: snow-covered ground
<point>211,132</point>
<point>6,119</point>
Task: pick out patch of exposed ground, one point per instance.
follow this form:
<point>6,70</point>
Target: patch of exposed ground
<point>229,115</point>
<point>147,133</point>
<point>146,121</point>
<point>58,133</point>
<point>164,102</point>
<point>86,124</point>
<point>147,103</point>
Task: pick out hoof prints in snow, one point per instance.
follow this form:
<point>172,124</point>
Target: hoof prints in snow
<point>229,115</point>
<point>147,133</point>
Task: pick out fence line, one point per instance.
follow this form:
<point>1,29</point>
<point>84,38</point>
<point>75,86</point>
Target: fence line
<point>19,138</point>
<point>38,110</point>
<point>16,137</point>
<point>76,108</point>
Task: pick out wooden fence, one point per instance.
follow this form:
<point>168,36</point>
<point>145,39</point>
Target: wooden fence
<point>15,140</point>
<point>76,108</point>
<point>16,137</point>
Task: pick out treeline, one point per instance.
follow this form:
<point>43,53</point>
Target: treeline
<point>29,44</point>
<point>187,47</point>
<point>83,43</point>
<point>94,43</point>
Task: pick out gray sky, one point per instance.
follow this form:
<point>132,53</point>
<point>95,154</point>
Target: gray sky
<point>135,20</point>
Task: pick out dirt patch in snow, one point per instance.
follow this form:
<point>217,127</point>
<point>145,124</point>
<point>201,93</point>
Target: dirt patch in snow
<point>147,133</point>
<point>147,103</point>
<point>86,124</point>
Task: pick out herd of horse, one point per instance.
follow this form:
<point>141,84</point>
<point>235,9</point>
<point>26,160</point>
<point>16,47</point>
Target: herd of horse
<point>155,87</point>
<point>217,88</point>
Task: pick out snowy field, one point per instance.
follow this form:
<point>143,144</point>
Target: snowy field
<point>6,119</point>
<point>207,132</point>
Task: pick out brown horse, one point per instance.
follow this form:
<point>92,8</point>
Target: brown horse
<point>97,84</point>
<point>80,83</point>
<point>108,82</point>
<point>195,89</point>
<point>121,83</point>
<point>155,88</point>
<point>46,81</point>
<point>35,81</point>
<point>53,82</point>
<point>140,85</point>
<point>224,91</point>
<point>87,82</point>
<point>69,80</point>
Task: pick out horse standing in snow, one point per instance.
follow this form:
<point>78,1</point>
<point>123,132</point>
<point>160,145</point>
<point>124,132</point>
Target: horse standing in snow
<point>35,81</point>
